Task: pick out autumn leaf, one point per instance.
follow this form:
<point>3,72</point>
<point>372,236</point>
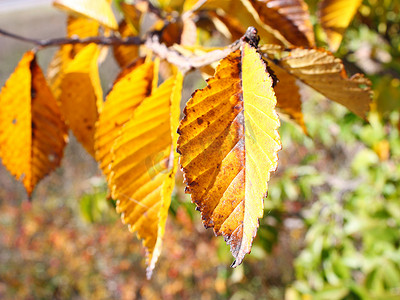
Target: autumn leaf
<point>334,17</point>
<point>132,16</point>
<point>57,67</point>
<point>169,5</point>
<point>32,133</point>
<point>247,16</point>
<point>81,27</point>
<point>290,17</point>
<point>81,95</point>
<point>228,144</point>
<point>209,4</point>
<point>125,54</point>
<point>288,99</point>
<point>325,73</point>
<point>144,166</point>
<point>76,27</point>
<point>127,93</point>
<point>98,10</point>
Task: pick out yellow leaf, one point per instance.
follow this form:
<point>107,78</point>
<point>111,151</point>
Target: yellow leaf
<point>125,54</point>
<point>290,17</point>
<point>81,27</point>
<point>127,93</point>
<point>76,27</point>
<point>57,67</point>
<point>228,144</point>
<point>326,74</point>
<point>144,166</point>
<point>210,4</point>
<point>170,5</point>
<point>335,16</point>
<point>98,10</point>
<point>82,97</point>
<point>32,133</point>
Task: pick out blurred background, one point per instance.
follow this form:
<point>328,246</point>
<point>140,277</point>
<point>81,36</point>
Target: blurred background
<point>331,226</point>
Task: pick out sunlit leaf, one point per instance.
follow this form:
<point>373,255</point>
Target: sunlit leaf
<point>99,10</point>
<point>170,5</point>
<point>127,93</point>
<point>290,17</point>
<point>32,132</point>
<point>326,74</point>
<point>144,166</point>
<point>335,16</point>
<point>76,27</point>
<point>229,142</point>
<point>57,67</point>
<point>81,27</point>
<point>81,95</point>
<point>209,4</point>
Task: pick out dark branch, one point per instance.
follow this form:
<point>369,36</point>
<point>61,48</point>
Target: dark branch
<point>100,40</point>
<point>183,62</point>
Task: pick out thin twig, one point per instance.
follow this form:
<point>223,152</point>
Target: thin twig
<point>100,40</point>
<point>184,63</point>
<point>195,7</point>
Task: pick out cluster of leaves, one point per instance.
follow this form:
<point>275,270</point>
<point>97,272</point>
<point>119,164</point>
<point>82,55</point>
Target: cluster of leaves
<point>228,139</point>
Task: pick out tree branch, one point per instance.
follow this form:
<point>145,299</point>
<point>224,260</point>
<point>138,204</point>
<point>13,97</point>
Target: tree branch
<point>184,63</point>
<point>100,40</point>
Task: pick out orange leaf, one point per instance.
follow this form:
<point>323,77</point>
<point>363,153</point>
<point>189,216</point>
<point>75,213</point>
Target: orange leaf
<point>290,17</point>
<point>32,133</point>
<point>288,96</point>
<point>98,10</point>
<point>144,166</point>
<point>82,97</point>
<point>229,142</point>
<point>335,16</point>
<point>127,93</point>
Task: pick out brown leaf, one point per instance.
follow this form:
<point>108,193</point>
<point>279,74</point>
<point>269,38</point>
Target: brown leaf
<point>325,73</point>
<point>290,17</point>
<point>32,133</point>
